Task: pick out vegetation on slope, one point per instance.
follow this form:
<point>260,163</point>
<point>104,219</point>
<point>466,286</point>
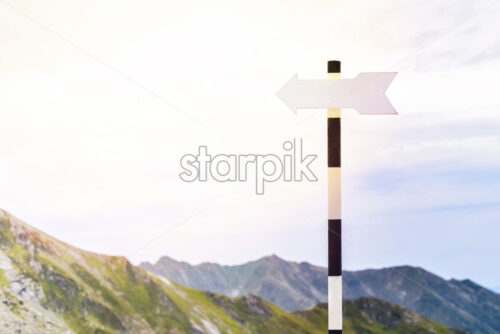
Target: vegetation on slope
<point>104,294</point>
<point>374,316</point>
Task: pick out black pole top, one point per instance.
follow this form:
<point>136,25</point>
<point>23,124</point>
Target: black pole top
<point>334,66</point>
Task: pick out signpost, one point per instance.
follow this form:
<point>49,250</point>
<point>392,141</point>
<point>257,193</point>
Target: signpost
<point>366,94</point>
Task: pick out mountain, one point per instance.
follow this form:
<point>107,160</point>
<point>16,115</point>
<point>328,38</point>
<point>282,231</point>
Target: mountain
<point>292,286</point>
<point>458,303</point>
<point>48,286</point>
<point>370,315</point>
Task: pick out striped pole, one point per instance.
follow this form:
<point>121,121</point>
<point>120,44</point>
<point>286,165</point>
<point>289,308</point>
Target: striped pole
<point>334,213</point>
<point>366,94</point>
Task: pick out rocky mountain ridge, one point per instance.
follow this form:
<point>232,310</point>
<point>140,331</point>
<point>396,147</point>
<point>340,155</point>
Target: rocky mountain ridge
<point>293,286</point>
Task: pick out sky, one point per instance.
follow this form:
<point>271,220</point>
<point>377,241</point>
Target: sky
<point>100,100</point>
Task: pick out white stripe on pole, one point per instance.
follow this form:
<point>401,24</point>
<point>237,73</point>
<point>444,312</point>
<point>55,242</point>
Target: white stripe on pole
<point>335,302</point>
<point>334,193</point>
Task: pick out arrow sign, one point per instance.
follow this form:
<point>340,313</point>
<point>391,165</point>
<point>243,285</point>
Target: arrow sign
<point>365,93</point>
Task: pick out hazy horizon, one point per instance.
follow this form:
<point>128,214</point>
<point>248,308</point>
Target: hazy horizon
<point>243,262</point>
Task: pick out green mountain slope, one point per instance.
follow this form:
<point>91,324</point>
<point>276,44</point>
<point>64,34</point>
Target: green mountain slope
<point>292,286</point>
<point>370,315</point>
<point>47,286</point>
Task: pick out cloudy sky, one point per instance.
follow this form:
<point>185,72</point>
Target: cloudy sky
<point>101,99</point>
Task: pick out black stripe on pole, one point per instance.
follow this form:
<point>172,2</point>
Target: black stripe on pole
<point>333,66</point>
<point>334,247</point>
<point>334,331</point>
<point>334,142</point>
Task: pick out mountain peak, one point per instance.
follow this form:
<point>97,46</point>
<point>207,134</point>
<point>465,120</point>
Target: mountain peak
<point>14,230</point>
<point>290,285</point>
<point>272,258</point>
<point>167,260</point>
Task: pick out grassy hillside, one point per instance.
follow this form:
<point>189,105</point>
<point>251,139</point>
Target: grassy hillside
<point>48,286</point>
<point>374,316</point>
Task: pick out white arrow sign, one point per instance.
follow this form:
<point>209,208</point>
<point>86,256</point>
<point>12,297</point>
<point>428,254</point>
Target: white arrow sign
<point>365,93</point>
